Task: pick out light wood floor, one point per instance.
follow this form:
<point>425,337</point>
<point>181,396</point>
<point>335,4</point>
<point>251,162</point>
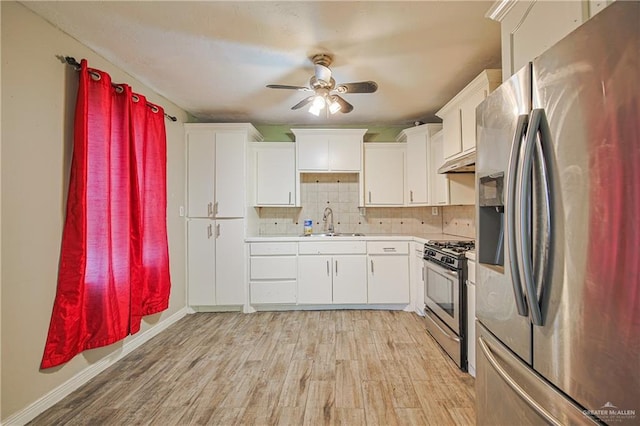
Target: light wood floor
<point>273,368</point>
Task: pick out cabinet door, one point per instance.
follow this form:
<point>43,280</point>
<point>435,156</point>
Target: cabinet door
<point>417,277</point>
<point>201,257</point>
<point>350,279</point>
<point>468,117</point>
<point>314,279</point>
<point>439,183</point>
<point>388,279</point>
<point>230,258</point>
<point>200,173</point>
<point>384,175</point>
<point>452,133</point>
<point>313,152</point>
<point>345,153</point>
<point>522,37</point>
<point>275,176</point>
<point>417,168</point>
<point>471,328</point>
<point>230,174</point>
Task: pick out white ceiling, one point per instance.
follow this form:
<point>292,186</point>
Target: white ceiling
<point>213,59</point>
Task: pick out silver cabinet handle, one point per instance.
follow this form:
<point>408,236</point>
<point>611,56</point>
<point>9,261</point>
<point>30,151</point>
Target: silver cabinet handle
<point>369,197</point>
<point>411,196</point>
<point>488,353</point>
<point>423,278</point>
<point>336,268</point>
<point>209,209</point>
<point>217,230</point>
<point>372,267</point>
<point>328,268</point>
<point>215,208</point>
<point>510,220</point>
<point>289,197</point>
<point>389,249</point>
<point>209,231</point>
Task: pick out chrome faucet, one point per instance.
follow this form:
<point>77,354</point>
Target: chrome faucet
<point>328,225</point>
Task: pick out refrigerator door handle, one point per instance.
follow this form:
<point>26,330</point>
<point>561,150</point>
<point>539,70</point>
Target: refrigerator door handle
<point>510,209</point>
<point>543,246</point>
<point>523,218</point>
<point>513,384</point>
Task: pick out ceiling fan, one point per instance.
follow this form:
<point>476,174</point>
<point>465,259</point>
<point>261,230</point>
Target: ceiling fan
<point>323,84</point>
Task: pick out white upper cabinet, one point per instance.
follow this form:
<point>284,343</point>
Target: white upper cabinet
<point>216,169</point>
<point>459,114</point>
<point>438,183</point>
<point>528,28</point>
<point>275,179</point>
<point>418,165</point>
<point>329,150</point>
<point>384,174</point>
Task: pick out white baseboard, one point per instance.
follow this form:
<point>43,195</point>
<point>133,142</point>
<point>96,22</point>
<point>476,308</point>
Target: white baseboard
<point>29,413</point>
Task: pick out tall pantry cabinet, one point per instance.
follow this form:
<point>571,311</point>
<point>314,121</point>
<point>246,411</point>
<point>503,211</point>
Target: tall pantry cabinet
<point>216,209</point>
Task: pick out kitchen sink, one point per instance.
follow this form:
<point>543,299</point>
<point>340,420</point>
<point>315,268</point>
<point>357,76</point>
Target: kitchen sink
<point>334,234</point>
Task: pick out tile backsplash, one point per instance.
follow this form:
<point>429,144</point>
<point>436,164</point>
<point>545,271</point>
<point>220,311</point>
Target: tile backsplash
<point>339,191</point>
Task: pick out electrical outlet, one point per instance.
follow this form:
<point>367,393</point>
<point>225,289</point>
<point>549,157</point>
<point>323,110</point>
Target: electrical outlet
<point>434,211</point>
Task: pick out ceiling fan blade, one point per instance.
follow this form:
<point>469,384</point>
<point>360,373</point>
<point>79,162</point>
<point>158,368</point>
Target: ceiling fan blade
<point>345,106</point>
<point>303,102</point>
<point>284,86</point>
<point>359,87</point>
<point>322,73</point>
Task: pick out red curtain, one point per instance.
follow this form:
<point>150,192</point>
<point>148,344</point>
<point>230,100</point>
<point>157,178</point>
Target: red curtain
<point>114,263</point>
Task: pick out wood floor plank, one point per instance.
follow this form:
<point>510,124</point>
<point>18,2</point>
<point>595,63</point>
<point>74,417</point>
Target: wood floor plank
<point>348,385</point>
<point>378,404</point>
<point>345,367</point>
<point>296,384</point>
<point>350,417</point>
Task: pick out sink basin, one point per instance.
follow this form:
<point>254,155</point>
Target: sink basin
<point>334,234</point>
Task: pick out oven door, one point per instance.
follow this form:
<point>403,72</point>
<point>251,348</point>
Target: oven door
<point>442,294</point>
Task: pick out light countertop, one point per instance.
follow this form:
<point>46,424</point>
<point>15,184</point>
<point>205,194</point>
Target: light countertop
<point>423,238</point>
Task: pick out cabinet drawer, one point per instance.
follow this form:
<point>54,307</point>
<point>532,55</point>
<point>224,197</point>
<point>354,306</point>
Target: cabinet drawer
<point>266,249</point>
<point>332,247</point>
<point>273,292</point>
<point>388,247</point>
<point>273,268</point>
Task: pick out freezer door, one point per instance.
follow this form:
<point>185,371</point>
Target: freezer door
<point>587,88</point>
<point>501,122</point>
<point>509,392</point>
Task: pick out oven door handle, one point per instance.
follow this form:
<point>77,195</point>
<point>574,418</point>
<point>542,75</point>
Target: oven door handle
<point>443,331</point>
<point>438,268</point>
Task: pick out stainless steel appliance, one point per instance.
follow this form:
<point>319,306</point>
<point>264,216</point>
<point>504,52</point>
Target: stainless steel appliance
<point>558,272</point>
<point>445,296</point>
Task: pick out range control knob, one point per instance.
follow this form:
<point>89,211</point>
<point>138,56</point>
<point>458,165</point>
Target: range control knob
<point>448,259</point>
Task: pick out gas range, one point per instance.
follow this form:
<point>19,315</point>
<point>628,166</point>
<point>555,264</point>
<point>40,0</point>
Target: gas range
<point>448,253</point>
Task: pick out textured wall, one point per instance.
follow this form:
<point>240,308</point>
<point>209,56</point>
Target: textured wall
<point>38,98</point>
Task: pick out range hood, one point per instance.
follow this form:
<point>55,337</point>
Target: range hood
<point>464,164</point>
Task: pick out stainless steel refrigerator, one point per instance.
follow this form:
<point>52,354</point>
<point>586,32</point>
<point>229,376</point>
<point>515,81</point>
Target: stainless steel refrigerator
<point>558,223</point>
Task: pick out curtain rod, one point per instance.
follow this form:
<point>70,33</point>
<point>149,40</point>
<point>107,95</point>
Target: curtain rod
<point>76,65</point>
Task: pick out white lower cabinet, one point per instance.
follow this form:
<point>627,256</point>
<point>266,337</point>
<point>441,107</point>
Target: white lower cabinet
<point>471,317</point>
<point>272,273</point>
<point>215,252</point>
<point>350,279</point>
<point>332,272</point>
<point>417,277</point>
<point>388,272</point>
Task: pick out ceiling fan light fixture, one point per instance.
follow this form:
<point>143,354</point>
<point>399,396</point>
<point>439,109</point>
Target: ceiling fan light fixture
<point>333,105</point>
<point>313,109</point>
<point>319,102</point>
